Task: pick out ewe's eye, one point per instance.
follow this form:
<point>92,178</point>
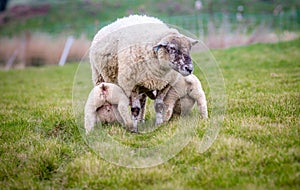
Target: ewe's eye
<point>173,49</point>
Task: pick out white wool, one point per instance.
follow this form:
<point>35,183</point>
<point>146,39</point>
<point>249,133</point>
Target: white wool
<point>125,22</point>
<point>188,90</point>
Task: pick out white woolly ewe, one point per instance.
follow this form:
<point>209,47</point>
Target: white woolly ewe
<point>140,51</point>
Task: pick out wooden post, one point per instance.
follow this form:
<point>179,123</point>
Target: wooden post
<point>65,53</point>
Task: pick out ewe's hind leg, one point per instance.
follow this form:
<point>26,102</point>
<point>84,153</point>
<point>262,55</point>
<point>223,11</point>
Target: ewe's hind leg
<point>135,110</point>
<point>143,101</point>
<point>159,105</point>
<point>93,102</point>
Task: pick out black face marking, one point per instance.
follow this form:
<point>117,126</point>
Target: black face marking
<point>181,62</point>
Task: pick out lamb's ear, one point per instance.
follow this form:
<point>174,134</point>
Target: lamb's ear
<point>160,44</point>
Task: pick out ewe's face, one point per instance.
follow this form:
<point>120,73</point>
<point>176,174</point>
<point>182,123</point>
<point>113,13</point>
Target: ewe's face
<point>177,49</point>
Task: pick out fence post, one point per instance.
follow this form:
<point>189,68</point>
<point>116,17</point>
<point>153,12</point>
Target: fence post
<point>65,53</point>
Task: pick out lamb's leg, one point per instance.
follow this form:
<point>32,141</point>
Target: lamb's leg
<point>169,103</point>
<point>117,114</point>
<point>128,87</point>
<point>159,105</point>
<point>199,96</point>
<point>94,101</point>
<point>123,110</point>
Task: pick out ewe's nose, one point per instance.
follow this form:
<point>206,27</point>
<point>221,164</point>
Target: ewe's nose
<point>189,68</point>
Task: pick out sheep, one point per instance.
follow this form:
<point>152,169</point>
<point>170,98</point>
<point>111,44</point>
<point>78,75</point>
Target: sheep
<point>140,51</point>
<point>179,100</point>
<point>107,103</point>
<point>182,96</point>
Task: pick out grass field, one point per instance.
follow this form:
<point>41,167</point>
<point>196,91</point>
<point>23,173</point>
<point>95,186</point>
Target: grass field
<point>258,146</point>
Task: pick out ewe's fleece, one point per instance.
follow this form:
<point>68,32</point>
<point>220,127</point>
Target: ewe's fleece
<point>125,22</point>
<point>119,46</point>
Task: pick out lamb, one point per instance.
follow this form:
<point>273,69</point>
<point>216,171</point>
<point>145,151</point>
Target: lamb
<point>182,96</point>
<point>179,100</point>
<point>140,51</point>
<point>107,103</point>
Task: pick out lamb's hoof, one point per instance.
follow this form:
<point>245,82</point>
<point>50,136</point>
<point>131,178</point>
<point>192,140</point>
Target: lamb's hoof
<point>135,123</point>
<point>203,116</point>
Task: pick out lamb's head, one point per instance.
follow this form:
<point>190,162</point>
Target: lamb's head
<point>106,113</point>
<point>174,50</point>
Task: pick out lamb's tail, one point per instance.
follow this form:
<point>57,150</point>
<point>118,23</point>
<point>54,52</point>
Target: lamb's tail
<point>103,87</point>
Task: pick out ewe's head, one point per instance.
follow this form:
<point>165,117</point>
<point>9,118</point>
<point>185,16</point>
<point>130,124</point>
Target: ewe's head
<point>174,50</point>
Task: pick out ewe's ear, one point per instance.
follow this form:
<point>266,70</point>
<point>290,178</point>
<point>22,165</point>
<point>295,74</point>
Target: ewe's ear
<point>193,41</point>
<point>160,44</point>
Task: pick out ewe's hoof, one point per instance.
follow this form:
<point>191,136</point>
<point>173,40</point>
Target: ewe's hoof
<point>159,119</point>
<point>159,123</point>
<point>134,131</point>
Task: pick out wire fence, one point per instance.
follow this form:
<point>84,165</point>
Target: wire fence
<point>201,24</point>
<point>216,31</point>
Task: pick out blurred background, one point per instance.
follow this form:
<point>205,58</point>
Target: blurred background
<point>45,32</point>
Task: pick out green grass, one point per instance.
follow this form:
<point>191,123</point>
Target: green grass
<point>258,146</point>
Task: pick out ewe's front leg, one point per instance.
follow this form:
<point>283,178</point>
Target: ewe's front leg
<point>159,105</point>
<point>159,109</point>
<point>143,101</point>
